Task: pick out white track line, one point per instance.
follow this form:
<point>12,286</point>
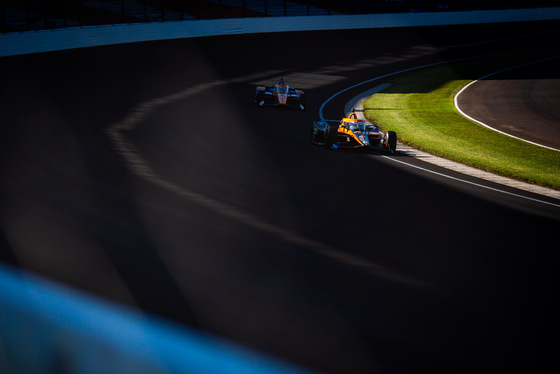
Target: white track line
<point>118,135</point>
<point>455,100</point>
<point>473,183</point>
<point>357,103</point>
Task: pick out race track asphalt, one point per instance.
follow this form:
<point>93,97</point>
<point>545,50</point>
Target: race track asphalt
<point>144,174</point>
<point>522,102</point>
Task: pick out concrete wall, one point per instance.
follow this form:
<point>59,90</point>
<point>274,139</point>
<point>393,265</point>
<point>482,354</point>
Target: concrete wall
<point>51,40</point>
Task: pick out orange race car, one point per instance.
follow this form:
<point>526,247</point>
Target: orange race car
<point>352,132</point>
<point>280,95</point>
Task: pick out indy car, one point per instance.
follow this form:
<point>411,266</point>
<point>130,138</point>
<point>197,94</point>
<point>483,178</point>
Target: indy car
<point>280,94</point>
<point>352,133</point>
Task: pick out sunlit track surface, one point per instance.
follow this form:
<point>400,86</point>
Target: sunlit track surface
<point>147,176</point>
<point>512,101</point>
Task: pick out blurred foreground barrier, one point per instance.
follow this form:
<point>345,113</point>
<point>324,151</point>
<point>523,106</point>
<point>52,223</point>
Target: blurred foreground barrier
<point>47,328</point>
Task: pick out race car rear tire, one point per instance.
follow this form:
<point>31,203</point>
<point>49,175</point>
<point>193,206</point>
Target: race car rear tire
<point>391,141</point>
<point>313,134</point>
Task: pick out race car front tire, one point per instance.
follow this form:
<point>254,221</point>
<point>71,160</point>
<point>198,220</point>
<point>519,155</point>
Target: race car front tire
<point>259,98</point>
<point>302,102</point>
<point>331,135</point>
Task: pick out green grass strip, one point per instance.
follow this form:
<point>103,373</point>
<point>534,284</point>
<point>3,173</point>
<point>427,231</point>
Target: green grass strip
<point>419,107</point>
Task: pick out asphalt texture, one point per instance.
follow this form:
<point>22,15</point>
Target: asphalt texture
<point>144,174</point>
<point>522,102</point>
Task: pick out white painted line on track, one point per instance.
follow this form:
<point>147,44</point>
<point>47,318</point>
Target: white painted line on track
<point>472,183</point>
<point>456,98</point>
<point>395,73</point>
<point>123,145</point>
<point>357,103</point>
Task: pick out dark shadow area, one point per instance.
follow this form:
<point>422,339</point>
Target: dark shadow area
<point>333,260</point>
<point>59,169</point>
